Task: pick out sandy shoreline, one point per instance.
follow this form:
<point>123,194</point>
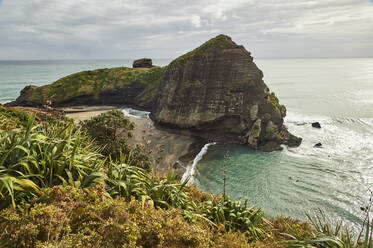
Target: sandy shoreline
<point>167,149</point>
<point>81,113</point>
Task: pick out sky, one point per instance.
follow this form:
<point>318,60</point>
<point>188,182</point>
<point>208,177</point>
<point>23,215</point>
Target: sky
<point>117,29</point>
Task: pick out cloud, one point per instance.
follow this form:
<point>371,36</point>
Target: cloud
<point>54,29</point>
<point>196,21</point>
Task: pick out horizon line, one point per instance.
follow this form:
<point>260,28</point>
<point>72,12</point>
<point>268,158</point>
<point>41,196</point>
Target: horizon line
<point>88,59</point>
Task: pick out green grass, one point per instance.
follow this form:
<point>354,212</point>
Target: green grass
<point>91,83</point>
<point>272,98</point>
<point>151,80</point>
<point>217,43</point>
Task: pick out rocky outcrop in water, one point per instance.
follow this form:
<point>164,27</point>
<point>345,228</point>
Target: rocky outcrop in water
<point>217,92</point>
<point>318,145</point>
<point>316,125</point>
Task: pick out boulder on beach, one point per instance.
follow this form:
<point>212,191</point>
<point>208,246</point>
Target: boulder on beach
<point>218,93</point>
<point>143,63</point>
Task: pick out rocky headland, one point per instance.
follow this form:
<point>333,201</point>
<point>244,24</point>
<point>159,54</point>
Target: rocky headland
<point>115,86</point>
<point>215,92</point>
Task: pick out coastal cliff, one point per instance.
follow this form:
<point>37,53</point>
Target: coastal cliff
<point>114,86</point>
<point>217,92</point>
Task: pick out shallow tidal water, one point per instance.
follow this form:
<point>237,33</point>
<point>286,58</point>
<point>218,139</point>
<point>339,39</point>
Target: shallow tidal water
<point>338,93</point>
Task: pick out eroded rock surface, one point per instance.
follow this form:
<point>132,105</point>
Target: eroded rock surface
<point>143,63</point>
<point>218,93</point>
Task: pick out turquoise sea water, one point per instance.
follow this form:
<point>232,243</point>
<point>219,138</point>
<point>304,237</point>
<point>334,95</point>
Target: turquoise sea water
<point>336,92</point>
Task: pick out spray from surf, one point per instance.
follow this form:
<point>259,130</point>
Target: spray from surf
<point>191,169</point>
<point>135,113</point>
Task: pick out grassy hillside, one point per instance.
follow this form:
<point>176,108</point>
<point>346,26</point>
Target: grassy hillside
<point>92,83</point>
<point>217,43</point>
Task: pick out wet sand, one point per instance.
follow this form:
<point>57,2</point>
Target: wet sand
<point>167,149</point>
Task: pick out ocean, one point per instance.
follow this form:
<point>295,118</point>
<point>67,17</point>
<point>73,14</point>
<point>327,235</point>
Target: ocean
<point>336,178</point>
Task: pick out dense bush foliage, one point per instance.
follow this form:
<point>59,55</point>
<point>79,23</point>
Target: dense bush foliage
<point>11,119</point>
<point>58,190</point>
<point>67,217</point>
<point>235,215</point>
<point>71,217</point>
<point>43,157</point>
<point>112,131</point>
<point>325,234</point>
<point>7,123</point>
<point>130,181</point>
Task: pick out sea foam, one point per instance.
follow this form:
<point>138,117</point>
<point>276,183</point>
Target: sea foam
<point>190,170</point>
<point>135,113</point>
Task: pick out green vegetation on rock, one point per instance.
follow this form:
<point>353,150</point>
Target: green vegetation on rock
<point>218,90</point>
<point>151,79</point>
<point>272,98</point>
<point>219,42</point>
<point>142,63</point>
<point>92,83</point>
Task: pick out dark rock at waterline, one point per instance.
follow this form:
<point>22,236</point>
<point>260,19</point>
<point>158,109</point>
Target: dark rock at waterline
<point>217,92</point>
<point>318,145</point>
<point>143,63</point>
<point>316,125</point>
<point>270,147</point>
<point>25,94</point>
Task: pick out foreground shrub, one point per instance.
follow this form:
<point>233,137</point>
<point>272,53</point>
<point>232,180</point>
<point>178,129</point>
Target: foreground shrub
<point>11,119</point>
<point>326,233</point>
<point>131,181</point>
<point>19,117</point>
<point>112,130</point>
<point>44,156</point>
<point>8,123</point>
<point>129,207</point>
<point>69,217</point>
<point>235,215</point>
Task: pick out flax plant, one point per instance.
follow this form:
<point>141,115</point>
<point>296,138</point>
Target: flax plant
<point>40,157</point>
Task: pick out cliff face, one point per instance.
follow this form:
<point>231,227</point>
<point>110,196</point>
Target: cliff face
<point>115,86</point>
<point>217,92</point>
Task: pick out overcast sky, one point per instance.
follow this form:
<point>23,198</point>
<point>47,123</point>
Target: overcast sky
<point>85,29</point>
